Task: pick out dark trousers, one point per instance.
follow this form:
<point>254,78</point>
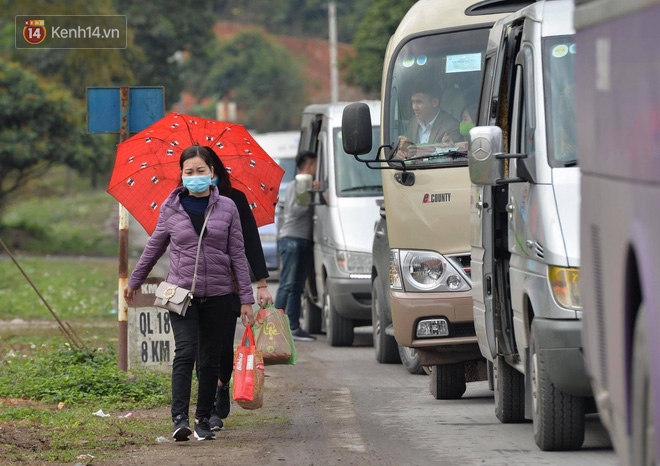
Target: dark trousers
<point>296,257</point>
<point>227,342</point>
<point>198,336</point>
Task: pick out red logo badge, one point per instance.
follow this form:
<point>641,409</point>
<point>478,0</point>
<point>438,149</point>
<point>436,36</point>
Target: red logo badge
<point>34,31</point>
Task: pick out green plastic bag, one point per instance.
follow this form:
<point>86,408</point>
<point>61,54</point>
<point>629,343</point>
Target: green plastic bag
<point>273,336</point>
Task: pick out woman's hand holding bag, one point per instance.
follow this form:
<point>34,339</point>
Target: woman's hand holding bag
<point>247,315</point>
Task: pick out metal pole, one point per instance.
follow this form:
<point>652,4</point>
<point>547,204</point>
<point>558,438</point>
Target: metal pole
<point>334,75</point>
<point>122,306</point>
<point>67,334</point>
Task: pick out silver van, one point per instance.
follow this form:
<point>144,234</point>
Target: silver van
<point>337,294</point>
<point>524,222</point>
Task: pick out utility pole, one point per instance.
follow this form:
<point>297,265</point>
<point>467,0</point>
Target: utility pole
<point>334,75</point>
<point>122,306</point>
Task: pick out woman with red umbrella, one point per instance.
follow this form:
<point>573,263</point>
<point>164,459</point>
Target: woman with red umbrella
<point>197,335</point>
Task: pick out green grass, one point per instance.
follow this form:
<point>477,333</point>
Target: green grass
<point>27,338</point>
<point>61,374</point>
<point>75,224</point>
<point>60,213</point>
<point>75,289</point>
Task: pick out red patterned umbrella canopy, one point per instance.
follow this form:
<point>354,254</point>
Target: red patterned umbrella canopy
<point>147,166</point>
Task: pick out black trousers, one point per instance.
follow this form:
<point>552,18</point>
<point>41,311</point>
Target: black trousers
<point>199,336</point>
<point>227,342</point>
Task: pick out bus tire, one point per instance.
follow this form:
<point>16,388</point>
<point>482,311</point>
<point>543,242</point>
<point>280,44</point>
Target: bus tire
<point>558,417</point>
<point>509,385</point>
<point>448,381</point>
<point>410,359</point>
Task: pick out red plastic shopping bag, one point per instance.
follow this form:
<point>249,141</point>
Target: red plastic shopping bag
<point>248,373</point>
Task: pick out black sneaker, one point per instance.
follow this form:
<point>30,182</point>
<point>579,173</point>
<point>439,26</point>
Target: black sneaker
<point>216,423</point>
<point>222,403</point>
<point>181,429</point>
<point>300,335</point>
<point>203,430</point>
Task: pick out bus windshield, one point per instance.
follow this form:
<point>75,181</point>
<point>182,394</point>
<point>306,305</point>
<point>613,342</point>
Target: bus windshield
<point>433,97</point>
<point>559,82</point>
<point>355,179</point>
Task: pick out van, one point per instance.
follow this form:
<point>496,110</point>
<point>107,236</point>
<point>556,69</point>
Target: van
<point>524,225</point>
<point>337,295</point>
<point>423,285</point>
<point>282,146</point>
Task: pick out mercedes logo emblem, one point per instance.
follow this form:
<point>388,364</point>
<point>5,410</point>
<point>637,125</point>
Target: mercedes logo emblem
<point>480,148</point>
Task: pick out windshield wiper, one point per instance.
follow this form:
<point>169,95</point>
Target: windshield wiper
<point>453,154</point>
<point>361,188</point>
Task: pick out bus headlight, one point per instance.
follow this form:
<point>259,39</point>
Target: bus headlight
<point>429,271</point>
<point>565,284</point>
<point>423,269</point>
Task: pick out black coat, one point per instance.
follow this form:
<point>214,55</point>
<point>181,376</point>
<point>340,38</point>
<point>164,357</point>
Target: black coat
<point>253,250</point>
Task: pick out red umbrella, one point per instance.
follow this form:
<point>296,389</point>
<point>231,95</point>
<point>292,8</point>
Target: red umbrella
<point>147,166</point>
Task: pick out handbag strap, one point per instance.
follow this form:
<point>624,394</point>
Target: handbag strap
<point>199,246</point>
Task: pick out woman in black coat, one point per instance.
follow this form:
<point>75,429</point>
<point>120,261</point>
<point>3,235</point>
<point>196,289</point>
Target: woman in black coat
<point>255,257</point>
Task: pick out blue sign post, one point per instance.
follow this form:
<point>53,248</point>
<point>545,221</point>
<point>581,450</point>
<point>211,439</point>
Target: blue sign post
<point>123,110</point>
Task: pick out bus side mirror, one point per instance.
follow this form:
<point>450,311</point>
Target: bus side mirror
<point>484,143</point>
<point>356,129</point>
<point>486,159</point>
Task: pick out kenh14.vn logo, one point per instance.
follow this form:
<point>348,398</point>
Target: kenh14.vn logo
<point>34,31</point>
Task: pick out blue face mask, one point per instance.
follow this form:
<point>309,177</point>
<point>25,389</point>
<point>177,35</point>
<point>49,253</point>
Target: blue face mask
<point>214,180</point>
<point>197,184</point>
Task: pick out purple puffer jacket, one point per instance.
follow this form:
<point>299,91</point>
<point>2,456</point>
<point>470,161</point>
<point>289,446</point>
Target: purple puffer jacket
<point>222,250</point>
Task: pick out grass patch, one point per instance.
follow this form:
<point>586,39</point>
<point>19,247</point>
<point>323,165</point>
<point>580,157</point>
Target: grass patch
<point>33,429</point>
<point>48,434</point>
<point>61,374</point>
<point>77,223</point>
<point>27,339</point>
<point>75,289</point>
<point>85,381</point>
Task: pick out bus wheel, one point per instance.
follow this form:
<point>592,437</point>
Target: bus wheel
<point>644,446</point>
<point>385,345</point>
<point>509,385</point>
<point>410,359</point>
<point>557,416</point>
<point>448,381</point>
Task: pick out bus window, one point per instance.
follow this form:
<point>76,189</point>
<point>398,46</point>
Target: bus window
<point>436,84</point>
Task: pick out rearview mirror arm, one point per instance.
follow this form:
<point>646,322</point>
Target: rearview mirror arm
<point>399,164</point>
<point>505,156</point>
